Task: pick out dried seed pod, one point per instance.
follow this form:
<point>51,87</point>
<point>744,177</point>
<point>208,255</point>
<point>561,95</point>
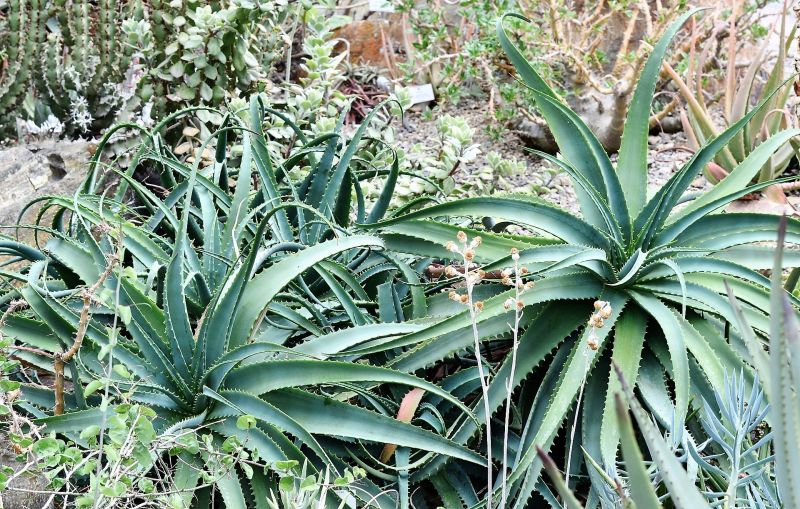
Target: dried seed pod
<point>593,343</point>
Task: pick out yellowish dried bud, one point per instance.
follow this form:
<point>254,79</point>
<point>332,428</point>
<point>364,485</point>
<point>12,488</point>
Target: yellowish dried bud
<point>508,303</point>
<point>598,304</point>
<point>481,273</point>
<point>520,305</point>
<point>476,242</point>
<point>507,272</point>
<point>507,281</point>
<point>523,271</point>
<point>514,251</point>
<point>605,312</point>
<point>469,254</point>
<point>592,343</point>
<point>479,306</point>
<point>453,296</point>
<point>451,246</point>
<point>599,322</point>
<point>450,271</point>
<point>529,285</point>
<point>462,237</point>
<point>464,299</point>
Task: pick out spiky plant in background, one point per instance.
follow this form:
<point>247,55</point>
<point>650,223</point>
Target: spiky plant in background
<point>91,64</point>
<point>740,94</point>
<point>88,72</point>
<point>20,36</point>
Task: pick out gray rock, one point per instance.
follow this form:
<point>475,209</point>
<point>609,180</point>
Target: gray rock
<point>12,499</point>
<point>39,169</point>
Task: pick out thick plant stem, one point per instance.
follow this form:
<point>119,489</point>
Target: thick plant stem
<point>62,358</point>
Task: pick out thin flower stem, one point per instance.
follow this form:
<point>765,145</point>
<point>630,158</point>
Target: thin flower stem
<point>510,382</point>
<point>602,311</point>
<point>484,385</point>
<point>574,426</point>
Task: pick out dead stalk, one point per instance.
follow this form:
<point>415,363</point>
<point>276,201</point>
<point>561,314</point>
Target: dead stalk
<point>62,358</point>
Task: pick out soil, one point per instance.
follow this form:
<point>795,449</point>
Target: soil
<point>668,152</point>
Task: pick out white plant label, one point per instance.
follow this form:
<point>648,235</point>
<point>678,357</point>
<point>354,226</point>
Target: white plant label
<point>380,6</point>
<point>421,93</point>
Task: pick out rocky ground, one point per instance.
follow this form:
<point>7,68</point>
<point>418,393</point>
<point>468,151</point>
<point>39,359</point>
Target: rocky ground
<point>668,152</point>
<point>28,171</point>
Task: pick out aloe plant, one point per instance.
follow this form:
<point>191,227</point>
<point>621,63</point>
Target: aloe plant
<point>659,262</point>
<point>739,95</point>
<point>223,304</point>
<point>778,367</point>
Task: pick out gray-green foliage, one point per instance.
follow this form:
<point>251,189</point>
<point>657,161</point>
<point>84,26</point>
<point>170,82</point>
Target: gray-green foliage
<point>230,307</point>
<point>661,267</point>
<point>750,470</point>
<point>204,53</point>
<point>726,451</point>
<point>299,490</point>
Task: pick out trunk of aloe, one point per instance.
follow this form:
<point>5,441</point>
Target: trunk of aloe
<point>601,54</point>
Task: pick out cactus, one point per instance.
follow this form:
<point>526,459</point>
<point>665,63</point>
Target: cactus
<point>20,34</point>
<point>95,63</point>
<point>89,76</point>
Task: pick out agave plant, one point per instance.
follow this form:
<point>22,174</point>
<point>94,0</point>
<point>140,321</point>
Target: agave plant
<point>220,304</point>
<point>755,478</point>
<point>738,98</point>
<point>660,263</point>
